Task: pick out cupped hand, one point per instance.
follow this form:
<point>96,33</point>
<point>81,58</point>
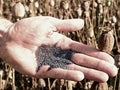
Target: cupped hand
<point>23,38</point>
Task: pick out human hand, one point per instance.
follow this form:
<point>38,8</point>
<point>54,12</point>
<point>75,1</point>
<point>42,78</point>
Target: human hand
<point>23,38</point>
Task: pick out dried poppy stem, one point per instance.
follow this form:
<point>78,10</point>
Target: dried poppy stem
<point>117,81</point>
<point>1,75</point>
<point>53,84</point>
<point>89,26</point>
<point>13,79</point>
<point>49,84</point>
<point>117,78</point>
<point>1,7</point>
<point>8,70</point>
<point>61,83</point>
<point>69,85</point>
<point>32,9</point>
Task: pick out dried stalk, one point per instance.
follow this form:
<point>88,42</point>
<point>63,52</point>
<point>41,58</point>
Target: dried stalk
<point>69,85</point>
<point>13,79</point>
<point>1,75</point>
<point>1,7</point>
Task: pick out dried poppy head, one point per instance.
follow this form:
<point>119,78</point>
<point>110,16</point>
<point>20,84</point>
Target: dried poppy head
<point>19,10</point>
<point>106,41</point>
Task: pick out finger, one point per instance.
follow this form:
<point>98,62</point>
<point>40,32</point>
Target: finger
<point>66,43</point>
<point>60,74</point>
<point>88,50</point>
<point>91,74</point>
<point>95,63</point>
<point>66,24</point>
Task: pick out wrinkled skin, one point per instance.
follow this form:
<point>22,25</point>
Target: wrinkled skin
<point>21,40</point>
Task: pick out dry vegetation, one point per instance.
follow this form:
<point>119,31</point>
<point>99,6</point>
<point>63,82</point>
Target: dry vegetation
<point>102,30</point>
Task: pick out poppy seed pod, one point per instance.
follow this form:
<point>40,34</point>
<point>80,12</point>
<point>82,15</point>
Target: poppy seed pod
<point>106,41</point>
<point>19,10</point>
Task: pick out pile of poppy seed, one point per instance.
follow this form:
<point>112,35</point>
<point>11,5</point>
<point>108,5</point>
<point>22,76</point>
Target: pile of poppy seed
<point>54,57</point>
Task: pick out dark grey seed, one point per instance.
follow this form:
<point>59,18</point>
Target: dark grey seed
<point>54,57</point>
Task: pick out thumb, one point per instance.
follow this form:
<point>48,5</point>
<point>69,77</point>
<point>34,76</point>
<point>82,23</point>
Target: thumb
<point>67,24</point>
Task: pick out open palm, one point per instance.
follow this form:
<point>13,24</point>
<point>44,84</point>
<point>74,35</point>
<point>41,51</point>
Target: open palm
<point>23,38</point>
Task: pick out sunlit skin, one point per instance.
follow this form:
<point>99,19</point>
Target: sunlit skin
<point>20,41</point>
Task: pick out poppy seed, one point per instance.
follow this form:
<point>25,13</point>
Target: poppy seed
<point>54,57</point>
